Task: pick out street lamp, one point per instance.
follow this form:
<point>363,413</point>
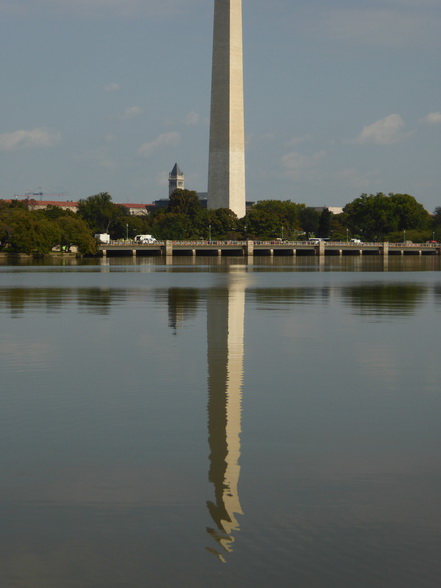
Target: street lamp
<point>347,235</point>
<point>404,237</point>
<point>127,231</point>
<point>209,233</point>
<point>282,233</point>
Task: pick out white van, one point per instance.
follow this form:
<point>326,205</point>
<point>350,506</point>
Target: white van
<point>102,237</point>
<point>144,239</point>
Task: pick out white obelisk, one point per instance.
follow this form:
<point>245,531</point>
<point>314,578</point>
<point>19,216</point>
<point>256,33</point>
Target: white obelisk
<point>226,168</point>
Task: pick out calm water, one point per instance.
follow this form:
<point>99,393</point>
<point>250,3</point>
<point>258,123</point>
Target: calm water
<point>221,424</point>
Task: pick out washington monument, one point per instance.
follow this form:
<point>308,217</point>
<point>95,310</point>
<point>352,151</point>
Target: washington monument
<point>226,166</point>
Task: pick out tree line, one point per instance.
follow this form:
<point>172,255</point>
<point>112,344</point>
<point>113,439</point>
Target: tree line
<point>373,217</point>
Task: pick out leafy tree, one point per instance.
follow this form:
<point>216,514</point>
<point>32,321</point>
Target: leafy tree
<point>410,213</point>
<point>184,202</point>
<point>339,227</point>
<point>377,216</point>
<point>27,232</point>
<point>309,220</point>
<point>414,235</point>
<point>130,225</point>
<point>325,220</point>
<point>225,222</point>
<point>52,212</point>
<point>75,231</point>
<point>99,212</point>
<point>285,211</point>
<point>436,224</point>
<point>220,223</point>
<point>261,224</point>
<point>176,227</point>
<point>13,204</point>
<point>371,216</point>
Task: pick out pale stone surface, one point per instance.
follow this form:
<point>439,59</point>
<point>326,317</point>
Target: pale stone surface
<point>226,173</point>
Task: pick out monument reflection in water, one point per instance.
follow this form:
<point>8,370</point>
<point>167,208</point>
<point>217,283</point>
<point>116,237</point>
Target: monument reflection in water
<point>225,329</point>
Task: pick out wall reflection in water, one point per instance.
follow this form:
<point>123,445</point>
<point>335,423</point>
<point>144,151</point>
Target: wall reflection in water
<point>225,330</point>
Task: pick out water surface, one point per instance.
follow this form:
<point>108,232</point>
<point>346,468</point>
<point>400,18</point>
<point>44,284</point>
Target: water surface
<point>220,423</point>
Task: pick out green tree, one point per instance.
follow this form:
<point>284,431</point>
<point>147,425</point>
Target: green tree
<point>75,231</point>
<point>52,212</point>
<point>338,227</point>
<point>436,224</point>
<point>220,223</point>
<point>176,227</point>
<point>410,213</point>
<point>371,217</point>
<point>375,217</point>
<point>286,213</point>
<point>184,202</point>
<point>27,232</point>
<point>325,221</point>
<point>309,220</point>
<point>261,224</point>
<point>99,212</point>
<point>13,204</point>
<point>130,225</point>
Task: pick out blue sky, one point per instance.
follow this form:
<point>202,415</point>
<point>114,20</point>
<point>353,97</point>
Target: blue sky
<point>341,98</point>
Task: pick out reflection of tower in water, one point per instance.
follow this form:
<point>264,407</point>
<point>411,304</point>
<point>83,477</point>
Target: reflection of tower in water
<point>225,326</point>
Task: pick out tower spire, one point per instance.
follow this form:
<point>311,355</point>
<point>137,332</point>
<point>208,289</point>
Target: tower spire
<point>175,180</point>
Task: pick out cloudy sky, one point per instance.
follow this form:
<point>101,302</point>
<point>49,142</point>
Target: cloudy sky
<point>342,98</point>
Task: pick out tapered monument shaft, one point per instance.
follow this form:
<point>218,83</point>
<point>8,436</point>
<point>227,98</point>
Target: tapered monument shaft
<point>226,168</point>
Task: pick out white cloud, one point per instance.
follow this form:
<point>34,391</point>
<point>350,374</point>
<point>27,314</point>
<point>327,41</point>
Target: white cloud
<point>112,87</point>
<point>146,149</point>
<point>33,139</point>
<point>433,118</point>
<point>386,131</point>
<point>301,167</point>
<point>192,119</point>
<point>131,112</point>
<point>297,140</point>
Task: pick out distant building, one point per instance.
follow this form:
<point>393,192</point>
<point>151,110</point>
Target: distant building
<point>333,209</point>
<point>175,180</point>
<point>161,203</point>
<point>33,204</point>
<point>133,209</point>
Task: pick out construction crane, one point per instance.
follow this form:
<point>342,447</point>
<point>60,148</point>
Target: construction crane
<point>41,194</point>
